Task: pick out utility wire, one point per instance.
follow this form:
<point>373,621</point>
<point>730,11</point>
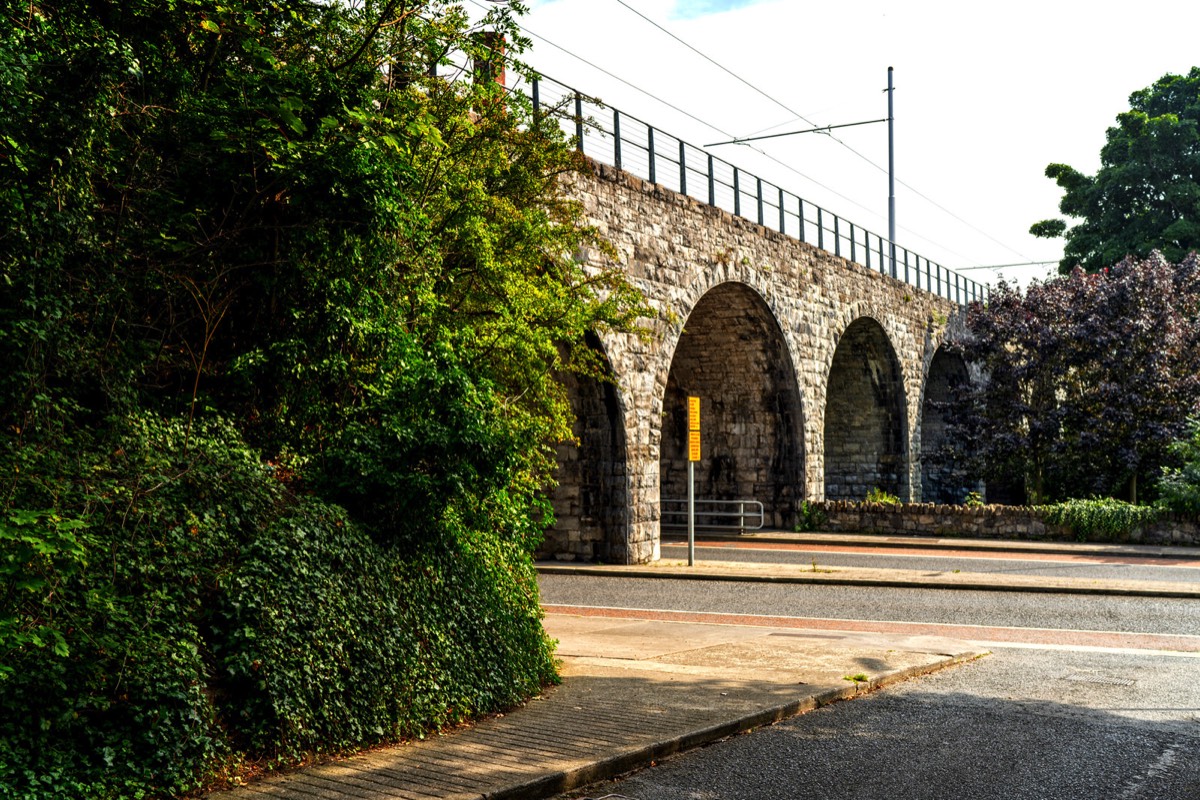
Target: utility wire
<point>723,132</point>
<point>882,169</point>
<point>1003,266</point>
<point>690,116</point>
<point>782,164</point>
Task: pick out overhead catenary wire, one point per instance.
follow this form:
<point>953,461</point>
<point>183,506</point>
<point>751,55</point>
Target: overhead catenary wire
<point>803,118</point>
<point>712,126</point>
<point>690,115</point>
<point>1005,266</point>
<point>723,132</point>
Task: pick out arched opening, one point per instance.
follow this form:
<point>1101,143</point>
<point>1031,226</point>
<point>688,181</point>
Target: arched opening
<point>864,416</point>
<point>732,356</point>
<point>942,478</point>
<point>591,500</point>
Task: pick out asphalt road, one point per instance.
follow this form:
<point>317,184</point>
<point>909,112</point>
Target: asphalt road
<point>1007,609</point>
<point>1018,723</point>
<point>1038,718</point>
<point>1050,565</point>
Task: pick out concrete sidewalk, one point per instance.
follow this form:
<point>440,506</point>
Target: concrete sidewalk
<point>633,691</point>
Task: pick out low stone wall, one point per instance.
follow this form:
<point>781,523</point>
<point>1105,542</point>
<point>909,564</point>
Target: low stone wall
<point>980,522</point>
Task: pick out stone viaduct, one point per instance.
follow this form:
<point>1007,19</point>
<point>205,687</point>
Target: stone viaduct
<point>818,378</point>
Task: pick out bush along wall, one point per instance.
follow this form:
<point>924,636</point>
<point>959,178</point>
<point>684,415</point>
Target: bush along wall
<point>207,614</point>
<point>1081,520</point>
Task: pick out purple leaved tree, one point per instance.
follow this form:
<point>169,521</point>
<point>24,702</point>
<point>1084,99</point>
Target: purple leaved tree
<point>1088,379</point>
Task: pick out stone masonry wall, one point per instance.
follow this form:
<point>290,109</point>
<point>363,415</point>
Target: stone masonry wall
<point>733,358</point>
<point>677,250</point>
<point>983,522</point>
<point>590,502</point>
<point>864,417</point>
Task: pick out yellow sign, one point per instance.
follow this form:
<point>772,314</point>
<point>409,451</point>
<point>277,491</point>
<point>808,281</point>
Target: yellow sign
<point>693,428</point>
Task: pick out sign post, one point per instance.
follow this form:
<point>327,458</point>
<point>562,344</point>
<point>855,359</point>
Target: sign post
<point>693,457</point>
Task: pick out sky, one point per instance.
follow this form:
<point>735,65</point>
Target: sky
<point>986,95</point>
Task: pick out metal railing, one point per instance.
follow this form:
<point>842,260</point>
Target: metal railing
<point>628,143</point>
<point>715,514</point>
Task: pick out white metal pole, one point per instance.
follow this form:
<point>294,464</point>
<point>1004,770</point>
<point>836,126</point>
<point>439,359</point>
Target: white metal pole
<point>891,177</point>
<point>691,513</point>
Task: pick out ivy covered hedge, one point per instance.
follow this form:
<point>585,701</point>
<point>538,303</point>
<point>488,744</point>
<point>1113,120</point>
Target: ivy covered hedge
<point>210,614</point>
<point>281,304</point>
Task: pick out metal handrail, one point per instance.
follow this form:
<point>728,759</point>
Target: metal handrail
<point>622,140</point>
<point>746,510</point>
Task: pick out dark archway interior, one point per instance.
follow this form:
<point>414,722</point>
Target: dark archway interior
<point>942,480</point>
<point>864,416</point>
<point>733,357</point>
<point>591,501</point>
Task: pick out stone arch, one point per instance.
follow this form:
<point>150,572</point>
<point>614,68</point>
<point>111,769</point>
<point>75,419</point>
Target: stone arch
<point>865,420</point>
<point>733,354</point>
<point>591,498</point>
<point>942,480</point>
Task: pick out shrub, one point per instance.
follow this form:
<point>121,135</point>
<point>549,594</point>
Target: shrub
<point>1100,518</point>
<point>208,614</point>
<point>878,495</point>
<point>810,518</point>
<point>1179,488</point>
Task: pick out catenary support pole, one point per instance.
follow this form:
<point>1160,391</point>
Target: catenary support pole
<point>891,175</point>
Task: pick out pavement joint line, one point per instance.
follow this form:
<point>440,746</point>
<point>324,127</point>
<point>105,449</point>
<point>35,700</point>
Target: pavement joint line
<point>596,722</point>
<point>361,780</point>
<point>318,787</point>
<point>424,777</point>
<point>429,777</point>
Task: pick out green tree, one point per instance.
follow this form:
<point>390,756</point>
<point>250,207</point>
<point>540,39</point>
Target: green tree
<point>280,307</point>
<point>1146,194</point>
<point>1179,487</point>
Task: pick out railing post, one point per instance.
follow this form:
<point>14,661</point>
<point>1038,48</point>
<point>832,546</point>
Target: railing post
<point>650,148</point>
<point>741,518</point>
<point>682,168</point>
<point>579,120</point>
<point>853,244</point>
<point>837,236</point>
<point>782,218</point>
<point>760,201</point>
<point>820,228</point>
<point>800,212</point>
<point>737,194</point>
<point>906,280</point>
<point>882,260</point>
<point>616,138</point>
<point>867,248</point>
<point>712,183</point>
<point>537,105</point>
